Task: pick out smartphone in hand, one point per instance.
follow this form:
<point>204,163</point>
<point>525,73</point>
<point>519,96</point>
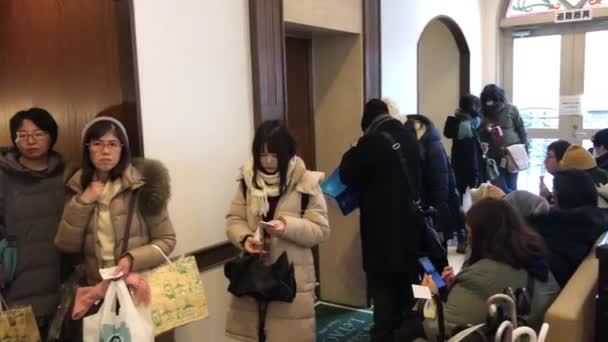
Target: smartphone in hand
<point>429,268</point>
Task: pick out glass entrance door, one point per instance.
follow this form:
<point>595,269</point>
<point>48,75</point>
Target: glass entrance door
<point>547,65</point>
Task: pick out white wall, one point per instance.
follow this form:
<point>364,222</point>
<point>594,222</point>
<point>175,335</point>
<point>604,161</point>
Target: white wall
<point>194,70</point>
<point>402,24</point>
<point>439,74</point>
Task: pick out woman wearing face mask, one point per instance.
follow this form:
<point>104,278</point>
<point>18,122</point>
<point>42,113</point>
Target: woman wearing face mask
<point>109,183</point>
<point>271,186</point>
<point>502,126</point>
<point>467,154</point>
<point>31,201</point>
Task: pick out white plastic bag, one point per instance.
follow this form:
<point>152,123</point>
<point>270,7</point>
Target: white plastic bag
<point>131,324</point>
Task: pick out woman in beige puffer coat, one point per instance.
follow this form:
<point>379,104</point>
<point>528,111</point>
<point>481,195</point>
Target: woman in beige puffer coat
<point>271,189</point>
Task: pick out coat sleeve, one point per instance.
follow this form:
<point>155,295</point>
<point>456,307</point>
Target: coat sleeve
<point>438,182</point>
<point>73,225</point>
<point>313,227</point>
<point>464,305</point>
<point>162,235</point>
<point>518,124</point>
<point>237,226</point>
<point>354,162</point>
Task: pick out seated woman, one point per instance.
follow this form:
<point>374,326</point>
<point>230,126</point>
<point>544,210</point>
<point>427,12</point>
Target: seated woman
<point>505,252</point>
<point>109,186</point>
<point>573,227</point>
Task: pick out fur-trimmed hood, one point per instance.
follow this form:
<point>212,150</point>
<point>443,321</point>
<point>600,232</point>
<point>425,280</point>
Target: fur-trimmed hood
<point>148,174</point>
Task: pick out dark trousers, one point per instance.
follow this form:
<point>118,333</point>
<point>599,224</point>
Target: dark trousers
<point>507,181</point>
<point>393,300</point>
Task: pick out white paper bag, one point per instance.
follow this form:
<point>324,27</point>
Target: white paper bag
<point>131,324</point>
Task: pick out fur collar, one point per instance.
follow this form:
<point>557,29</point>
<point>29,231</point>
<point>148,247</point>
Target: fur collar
<point>153,197</point>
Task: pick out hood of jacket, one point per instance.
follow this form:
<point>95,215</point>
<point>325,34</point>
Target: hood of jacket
<point>587,222</point>
<point>9,162</point>
<point>432,134</point>
<point>154,196</point>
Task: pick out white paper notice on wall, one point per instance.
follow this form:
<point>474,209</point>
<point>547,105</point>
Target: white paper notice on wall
<point>571,105</point>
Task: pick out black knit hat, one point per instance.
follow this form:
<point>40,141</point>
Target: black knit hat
<point>373,108</point>
<point>601,138</point>
<point>40,117</point>
<point>470,104</point>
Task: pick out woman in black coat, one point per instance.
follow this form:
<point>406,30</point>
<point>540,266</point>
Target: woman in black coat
<point>438,183</point>
<point>467,155</point>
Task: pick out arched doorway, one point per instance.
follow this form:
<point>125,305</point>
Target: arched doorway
<point>443,70</point>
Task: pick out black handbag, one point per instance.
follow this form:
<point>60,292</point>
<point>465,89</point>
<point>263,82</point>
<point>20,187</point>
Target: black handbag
<point>430,244</point>
<point>249,276</point>
<point>450,130</point>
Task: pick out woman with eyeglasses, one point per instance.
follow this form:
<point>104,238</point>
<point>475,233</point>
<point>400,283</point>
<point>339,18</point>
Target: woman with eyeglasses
<point>108,186</point>
<point>31,201</point>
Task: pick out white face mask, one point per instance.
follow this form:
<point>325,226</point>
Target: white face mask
<point>490,103</point>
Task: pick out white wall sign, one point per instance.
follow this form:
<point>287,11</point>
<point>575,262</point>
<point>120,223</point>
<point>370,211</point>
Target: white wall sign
<point>571,105</point>
<point>583,14</point>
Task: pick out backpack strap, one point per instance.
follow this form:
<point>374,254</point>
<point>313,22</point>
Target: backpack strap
<point>304,198</point>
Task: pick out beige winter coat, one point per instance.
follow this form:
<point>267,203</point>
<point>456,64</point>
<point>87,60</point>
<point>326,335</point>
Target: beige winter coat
<point>293,322</point>
<point>77,231</point>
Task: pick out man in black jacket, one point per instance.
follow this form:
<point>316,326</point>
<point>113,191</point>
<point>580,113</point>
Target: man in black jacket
<point>389,238</point>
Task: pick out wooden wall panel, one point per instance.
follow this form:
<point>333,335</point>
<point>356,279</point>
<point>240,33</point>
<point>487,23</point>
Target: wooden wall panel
<point>64,56</point>
<point>268,61</point>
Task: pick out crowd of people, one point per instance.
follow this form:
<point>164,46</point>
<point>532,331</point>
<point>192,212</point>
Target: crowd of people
<point>112,212</point>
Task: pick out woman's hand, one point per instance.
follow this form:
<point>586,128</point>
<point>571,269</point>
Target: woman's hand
<point>427,281</point>
<point>275,228</point>
<point>253,246</point>
<point>124,266</point>
<point>92,193</point>
<point>448,275</point>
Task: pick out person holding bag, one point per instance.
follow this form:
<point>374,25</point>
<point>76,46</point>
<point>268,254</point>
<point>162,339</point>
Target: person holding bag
<point>503,130</point>
<point>271,188</point>
<point>118,211</point>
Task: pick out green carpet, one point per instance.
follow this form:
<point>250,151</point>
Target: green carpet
<point>341,324</point>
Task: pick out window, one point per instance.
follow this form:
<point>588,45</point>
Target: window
<point>537,97</point>
<point>595,99</point>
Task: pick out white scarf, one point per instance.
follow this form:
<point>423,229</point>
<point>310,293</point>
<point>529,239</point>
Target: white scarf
<point>270,186</point>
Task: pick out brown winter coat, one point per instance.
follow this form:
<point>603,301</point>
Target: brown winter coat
<point>293,322</point>
<point>151,224</point>
<point>32,202</point>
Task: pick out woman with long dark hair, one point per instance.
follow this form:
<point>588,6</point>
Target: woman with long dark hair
<point>271,188</point>
<point>505,252</point>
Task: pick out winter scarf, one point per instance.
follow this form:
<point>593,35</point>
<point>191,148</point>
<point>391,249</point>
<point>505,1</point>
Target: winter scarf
<point>269,185</point>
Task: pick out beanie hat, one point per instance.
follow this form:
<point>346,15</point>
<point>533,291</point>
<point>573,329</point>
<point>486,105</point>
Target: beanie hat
<point>486,190</point>
<point>104,118</point>
<point>527,203</point>
<point>577,158</point>
<point>372,109</point>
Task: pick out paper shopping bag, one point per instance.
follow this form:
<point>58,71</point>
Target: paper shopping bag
<point>177,294</point>
<point>18,325</point>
